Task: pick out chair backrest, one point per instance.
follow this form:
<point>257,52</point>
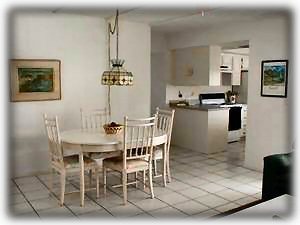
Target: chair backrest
<point>165,122</point>
<point>138,138</point>
<point>52,130</point>
<point>92,120</point>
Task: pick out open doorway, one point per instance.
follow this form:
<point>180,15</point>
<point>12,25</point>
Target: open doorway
<point>234,74</point>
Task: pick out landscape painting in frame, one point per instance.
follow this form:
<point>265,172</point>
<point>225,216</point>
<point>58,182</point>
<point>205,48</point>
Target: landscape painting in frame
<point>274,78</point>
<point>35,79</point>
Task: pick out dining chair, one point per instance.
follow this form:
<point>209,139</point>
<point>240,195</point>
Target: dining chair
<point>137,153</point>
<point>64,164</point>
<point>165,124</point>
<point>93,119</point>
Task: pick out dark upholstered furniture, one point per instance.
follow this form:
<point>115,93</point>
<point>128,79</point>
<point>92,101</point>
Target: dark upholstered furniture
<point>277,175</point>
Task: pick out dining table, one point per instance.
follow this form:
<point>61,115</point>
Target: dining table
<point>97,141</point>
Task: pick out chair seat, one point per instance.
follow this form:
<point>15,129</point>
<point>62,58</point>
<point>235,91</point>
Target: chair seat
<point>116,163</point>
<point>158,153</point>
<point>72,161</point>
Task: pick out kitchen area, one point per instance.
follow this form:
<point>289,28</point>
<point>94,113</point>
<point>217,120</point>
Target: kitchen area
<point>207,86</point>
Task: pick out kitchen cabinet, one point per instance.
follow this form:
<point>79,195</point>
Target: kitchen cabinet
<point>234,62</point>
<point>227,60</point>
<point>196,66</point>
<point>236,70</point>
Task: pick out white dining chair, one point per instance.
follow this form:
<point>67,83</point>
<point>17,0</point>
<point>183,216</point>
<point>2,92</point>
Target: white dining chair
<point>93,119</point>
<point>165,124</point>
<point>64,164</point>
<point>137,153</point>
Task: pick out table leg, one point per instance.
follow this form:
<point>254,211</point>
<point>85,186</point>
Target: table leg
<point>81,163</point>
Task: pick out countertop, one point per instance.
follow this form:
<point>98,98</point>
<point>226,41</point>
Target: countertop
<point>201,107</point>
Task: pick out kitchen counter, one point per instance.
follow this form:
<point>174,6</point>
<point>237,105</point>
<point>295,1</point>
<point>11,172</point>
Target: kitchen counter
<point>202,107</point>
<point>201,128</point>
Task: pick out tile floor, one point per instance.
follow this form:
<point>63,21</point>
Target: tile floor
<point>202,186</point>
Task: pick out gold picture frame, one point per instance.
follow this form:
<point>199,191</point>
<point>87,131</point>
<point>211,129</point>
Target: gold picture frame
<point>35,79</point>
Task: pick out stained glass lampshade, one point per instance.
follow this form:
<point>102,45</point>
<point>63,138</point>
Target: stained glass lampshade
<point>117,75</point>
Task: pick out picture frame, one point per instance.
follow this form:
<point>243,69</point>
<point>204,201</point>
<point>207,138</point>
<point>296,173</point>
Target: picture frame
<point>35,79</point>
<point>274,78</point>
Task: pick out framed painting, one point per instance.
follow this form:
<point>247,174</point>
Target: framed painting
<point>35,79</point>
<point>274,78</point>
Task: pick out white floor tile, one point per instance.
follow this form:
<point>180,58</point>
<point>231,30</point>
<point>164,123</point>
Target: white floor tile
<point>230,195</point>
<point>211,200</point>
<point>55,212</point>
<point>212,187</point>
<point>206,214</point>
<point>89,206</point>
<point>193,192</point>
<point>191,207</point>
<point>168,212</point>
<point>227,207</point>
<point>95,214</point>
<point>150,204</point>
<point>173,198</point>
<point>246,200</point>
<point>125,211</point>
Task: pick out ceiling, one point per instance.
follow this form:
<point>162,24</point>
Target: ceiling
<point>168,20</point>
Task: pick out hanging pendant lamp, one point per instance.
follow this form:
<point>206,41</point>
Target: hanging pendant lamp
<point>117,75</point>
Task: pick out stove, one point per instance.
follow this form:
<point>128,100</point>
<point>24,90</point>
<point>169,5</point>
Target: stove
<point>235,110</point>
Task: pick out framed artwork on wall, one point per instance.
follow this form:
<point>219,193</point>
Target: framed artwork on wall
<point>274,78</point>
<point>35,80</point>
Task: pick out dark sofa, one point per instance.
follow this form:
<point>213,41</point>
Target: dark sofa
<point>277,175</point>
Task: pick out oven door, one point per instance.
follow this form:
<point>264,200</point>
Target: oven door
<point>235,124</point>
<point>235,119</point>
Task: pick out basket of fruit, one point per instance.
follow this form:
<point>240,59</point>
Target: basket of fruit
<point>112,128</point>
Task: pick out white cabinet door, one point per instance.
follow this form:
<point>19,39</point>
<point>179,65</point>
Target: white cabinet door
<point>236,70</point>
<point>196,66</point>
<point>226,60</point>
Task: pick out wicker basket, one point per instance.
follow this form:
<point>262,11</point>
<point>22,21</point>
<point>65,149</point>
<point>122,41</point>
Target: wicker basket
<point>112,130</point>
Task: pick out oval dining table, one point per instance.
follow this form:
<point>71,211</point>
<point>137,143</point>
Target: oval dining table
<point>95,141</point>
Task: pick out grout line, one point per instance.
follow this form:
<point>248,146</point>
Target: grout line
<point>52,192</point>
<point>91,199</point>
<point>25,197</point>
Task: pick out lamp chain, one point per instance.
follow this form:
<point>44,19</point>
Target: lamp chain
<point>111,32</point>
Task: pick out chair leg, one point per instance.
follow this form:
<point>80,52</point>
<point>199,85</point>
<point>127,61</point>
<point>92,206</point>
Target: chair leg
<point>124,183</point>
<point>51,181</point>
<point>155,167</point>
<point>62,189</point>
<point>90,177</point>
<point>164,164</point>
<point>168,168</point>
<point>97,182</point>
<point>104,180</point>
<point>136,180</point>
<point>144,179</point>
<point>81,162</point>
<point>150,181</point>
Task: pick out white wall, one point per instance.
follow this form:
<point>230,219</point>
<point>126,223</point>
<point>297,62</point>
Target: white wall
<point>81,44</point>
<point>135,48</point>
<point>159,70</point>
<point>267,123</point>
